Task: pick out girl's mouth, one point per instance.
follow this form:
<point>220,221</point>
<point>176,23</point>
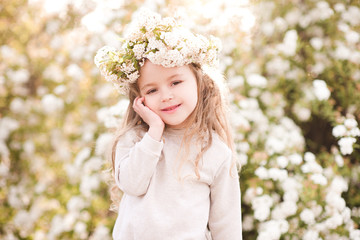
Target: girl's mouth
<point>171,108</point>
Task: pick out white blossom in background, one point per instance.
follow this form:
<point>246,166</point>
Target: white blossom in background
<point>256,80</point>
<point>346,145</point>
<point>97,20</point>
<point>295,159</point>
<point>76,204</point>
<point>311,167</point>
<point>103,92</point>
<point>282,161</point>
<point>339,160</point>
<point>89,183</point>
<point>261,206</point>
<point>355,234</point>
<point>56,227</point>
<point>350,123</point>
<point>334,221</point>
<point>284,209</point>
<point>262,173</point>
<point>307,216</point>
<point>93,165</point>
<point>355,132</point>
<point>9,53</point>
<point>18,76</point>
<point>311,235</point>
<point>293,17</point>
<point>288,47</point>
<point>52,104</point>
<point>101,232</point>
<point>339,131</point>
<point>317,43</point>
<point>318,178</point>
<point>277,66</point>
<point>323,10</point>
<point>268,28</point>
<point>339,185</point>
<point>347,132</point>
<point>60,89</point>
<point>352,15</point>
<point>321,90</point>
<point>7,125</point>
<point>342,52</point>
<point>302,113</point>
<point>277,174</point>
<point>54,72</point>
<point>352,37</point>
<point>251,193</point>
<point>74,71</point>
<point>339,7</point>
<point>284,136</point>
<point>80,230</point>
<point>309,157</point>
<point>55,7</point>
<point>102,143</point>
<point>235,82</point>
<point>272,229</point>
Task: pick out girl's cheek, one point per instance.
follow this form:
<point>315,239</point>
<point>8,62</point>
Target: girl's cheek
<point>147,101</point>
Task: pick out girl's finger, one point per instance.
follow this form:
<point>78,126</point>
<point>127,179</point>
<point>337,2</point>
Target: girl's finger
<point>141,102</point>
<point>136,102</point>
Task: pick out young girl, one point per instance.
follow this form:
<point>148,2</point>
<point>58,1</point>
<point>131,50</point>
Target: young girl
<point>173,157</point>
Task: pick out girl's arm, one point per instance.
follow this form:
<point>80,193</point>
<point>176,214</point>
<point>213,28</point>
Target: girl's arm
<point>134,166</point>
<point>225,203</point>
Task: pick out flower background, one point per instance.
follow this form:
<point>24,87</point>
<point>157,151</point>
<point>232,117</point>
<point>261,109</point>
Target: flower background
<point>293,70</point>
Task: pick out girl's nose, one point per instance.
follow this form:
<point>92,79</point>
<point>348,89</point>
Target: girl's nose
<point>167,96</point>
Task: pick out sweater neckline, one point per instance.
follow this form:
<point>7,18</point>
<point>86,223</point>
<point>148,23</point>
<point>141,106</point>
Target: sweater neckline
<point>174,132</point>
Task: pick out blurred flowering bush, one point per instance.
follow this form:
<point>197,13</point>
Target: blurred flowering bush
<point>293,71</point>
<point>298,133</point>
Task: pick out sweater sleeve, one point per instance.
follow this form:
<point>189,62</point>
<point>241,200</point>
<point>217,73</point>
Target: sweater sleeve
<point>225,204</point>
<point>134,166</point>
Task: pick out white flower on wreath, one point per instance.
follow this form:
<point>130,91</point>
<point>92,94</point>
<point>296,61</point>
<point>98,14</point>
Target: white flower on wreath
<point>139,50</point>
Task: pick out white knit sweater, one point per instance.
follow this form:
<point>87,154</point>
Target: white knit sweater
<point>158,205</point>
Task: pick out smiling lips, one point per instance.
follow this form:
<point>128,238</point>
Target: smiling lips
<point>171,108</point>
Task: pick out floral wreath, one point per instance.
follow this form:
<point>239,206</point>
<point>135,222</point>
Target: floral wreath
<point>162,41</point>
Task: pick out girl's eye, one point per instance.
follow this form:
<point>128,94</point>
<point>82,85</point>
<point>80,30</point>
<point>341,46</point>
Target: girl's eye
<point>176,82</point>
<point>151,91</point>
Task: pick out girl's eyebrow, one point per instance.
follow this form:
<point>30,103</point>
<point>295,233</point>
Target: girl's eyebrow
<point>174,75</point>
<point>147,85</point>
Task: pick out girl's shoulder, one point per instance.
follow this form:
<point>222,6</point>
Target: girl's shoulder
<point>218,149</point>
<point>218,155</point>
<point>131,136</point>
<point>218,144</point>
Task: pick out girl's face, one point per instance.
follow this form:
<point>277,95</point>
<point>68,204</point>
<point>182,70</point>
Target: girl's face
<point>169,92</point>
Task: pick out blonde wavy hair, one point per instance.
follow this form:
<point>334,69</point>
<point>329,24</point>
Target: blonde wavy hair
<point>209,115</point>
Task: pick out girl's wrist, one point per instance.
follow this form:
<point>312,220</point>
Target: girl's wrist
<point>156,131</point>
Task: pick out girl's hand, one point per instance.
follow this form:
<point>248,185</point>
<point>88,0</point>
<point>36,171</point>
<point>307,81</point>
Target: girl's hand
<point>156,124</point>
